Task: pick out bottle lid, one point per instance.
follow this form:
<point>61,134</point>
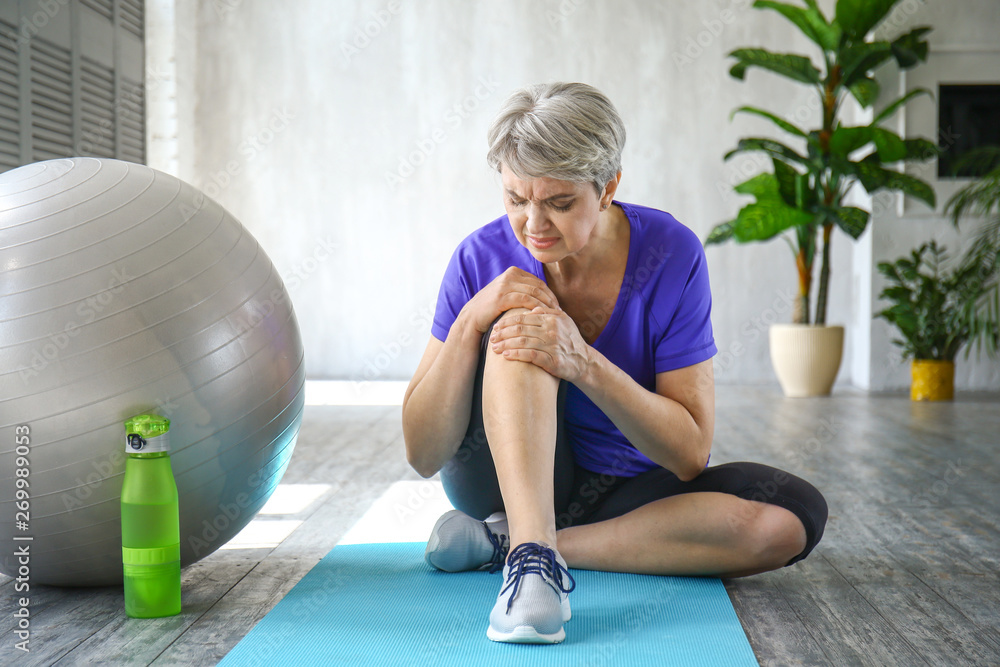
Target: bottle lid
<point>147,433</point>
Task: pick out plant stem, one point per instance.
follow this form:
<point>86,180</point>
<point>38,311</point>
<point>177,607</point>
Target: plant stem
<point>800,313</point>
<point>824,275</point>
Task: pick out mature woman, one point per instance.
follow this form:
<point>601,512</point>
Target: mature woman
<point>566,395</point>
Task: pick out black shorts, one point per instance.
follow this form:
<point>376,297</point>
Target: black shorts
<point>583,496</point>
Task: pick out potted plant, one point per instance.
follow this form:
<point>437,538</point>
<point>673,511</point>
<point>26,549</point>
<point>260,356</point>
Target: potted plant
<point>938,310</point>
<point>804,195</point>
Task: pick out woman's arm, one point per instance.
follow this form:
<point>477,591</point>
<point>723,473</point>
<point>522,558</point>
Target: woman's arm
<point>673,426</point>
<point>438,401</point>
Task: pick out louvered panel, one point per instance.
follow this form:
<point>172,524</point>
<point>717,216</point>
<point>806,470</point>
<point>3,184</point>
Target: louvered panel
<point>38,154</point>
<point>8,143</point>
<point>97,101</point>
<point>130,13</point>
<point>102,7</point>
<point>51,101</point>
<point>8,69</point>
<point>9,121</point>
<point>132,116</point>
<point>10,118</point>
<point>8,95</point>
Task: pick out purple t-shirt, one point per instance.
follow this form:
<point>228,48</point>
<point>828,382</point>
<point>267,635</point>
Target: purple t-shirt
<point>660,322</point>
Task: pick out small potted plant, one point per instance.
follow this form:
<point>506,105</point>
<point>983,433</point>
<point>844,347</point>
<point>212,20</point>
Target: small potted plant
<point>804,195</point>
<point>938,305</point>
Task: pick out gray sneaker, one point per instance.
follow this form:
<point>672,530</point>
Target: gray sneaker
<point>534,601</point>
<point>459,543</point>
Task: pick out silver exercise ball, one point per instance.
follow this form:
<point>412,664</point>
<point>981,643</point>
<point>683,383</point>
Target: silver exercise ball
<point>126,291</point>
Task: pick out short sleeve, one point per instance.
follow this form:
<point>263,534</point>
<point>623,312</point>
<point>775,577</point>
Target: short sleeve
<point>687,338</point>
<point>455,292</point>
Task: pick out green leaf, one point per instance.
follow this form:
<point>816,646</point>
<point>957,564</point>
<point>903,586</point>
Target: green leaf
<point>898,293</point>
<point>865,91</point>
<point>780,122</point>
<point>810,21</point>
<point>850,219</point>
<point>891,109</point>
<point>873,178</point>
<point>721,232</point>
<point>769,215</point>
<point>857,60</point>
<point>846,140</point>
<point>799,68</point>
<point>761,186</point>
<point>920,149</point>
<point>765,220</point>
<point>857,17</point>
<point>769,146</point>
<point>910,49</point>
<point>889,145</point>
<point>788,179</point>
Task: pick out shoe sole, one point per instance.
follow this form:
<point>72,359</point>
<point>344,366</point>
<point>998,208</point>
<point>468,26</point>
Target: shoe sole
<point>525,634</point>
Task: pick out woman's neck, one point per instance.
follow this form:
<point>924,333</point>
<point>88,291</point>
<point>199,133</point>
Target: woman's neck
<point>602,252</point>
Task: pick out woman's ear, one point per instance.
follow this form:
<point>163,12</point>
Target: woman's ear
<point>609,191</point>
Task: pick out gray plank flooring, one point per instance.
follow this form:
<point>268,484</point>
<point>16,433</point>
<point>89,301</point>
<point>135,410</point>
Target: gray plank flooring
<point>907,574</point>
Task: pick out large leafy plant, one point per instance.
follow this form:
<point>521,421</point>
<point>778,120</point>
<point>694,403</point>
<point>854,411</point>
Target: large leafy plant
<point>804,194</point>
<point>938,305</point>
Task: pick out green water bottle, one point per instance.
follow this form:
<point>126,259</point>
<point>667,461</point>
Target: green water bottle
<point>151,549</point>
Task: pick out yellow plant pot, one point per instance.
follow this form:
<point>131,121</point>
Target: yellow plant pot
<point>933,380</point>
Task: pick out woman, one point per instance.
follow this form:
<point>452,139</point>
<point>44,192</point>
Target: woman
<point>566,395</point>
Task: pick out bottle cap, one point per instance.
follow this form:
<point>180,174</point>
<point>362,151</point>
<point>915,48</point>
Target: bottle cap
<point>147,433</point>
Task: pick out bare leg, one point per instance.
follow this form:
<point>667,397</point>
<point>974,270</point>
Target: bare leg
<point>519,416</point>
<point>713,534</point>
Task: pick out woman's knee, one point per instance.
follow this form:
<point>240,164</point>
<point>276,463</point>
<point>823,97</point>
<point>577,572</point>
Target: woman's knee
<point>777,535</point>
<point>498,364</point>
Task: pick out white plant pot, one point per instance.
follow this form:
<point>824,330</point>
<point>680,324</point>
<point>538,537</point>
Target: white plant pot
<point>806,357</point>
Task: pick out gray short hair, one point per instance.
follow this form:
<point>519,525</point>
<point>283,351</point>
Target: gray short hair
<point>568,131</point>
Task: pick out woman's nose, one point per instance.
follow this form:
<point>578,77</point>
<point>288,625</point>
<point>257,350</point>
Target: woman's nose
<point>537,220</point>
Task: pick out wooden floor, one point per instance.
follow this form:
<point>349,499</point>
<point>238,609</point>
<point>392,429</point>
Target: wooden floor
<point>907,573</point>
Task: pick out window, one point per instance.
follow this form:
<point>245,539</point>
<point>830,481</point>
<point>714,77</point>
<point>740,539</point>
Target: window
<point>71,80</point>
<point>969,116</point>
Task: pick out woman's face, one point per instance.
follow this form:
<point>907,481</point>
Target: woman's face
<point>551,218</point>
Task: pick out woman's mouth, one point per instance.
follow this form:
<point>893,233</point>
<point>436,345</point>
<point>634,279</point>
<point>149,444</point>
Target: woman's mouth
<point>542,243</point>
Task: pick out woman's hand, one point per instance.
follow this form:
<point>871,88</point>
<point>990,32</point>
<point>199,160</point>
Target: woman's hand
<point>514,288</point>
<point>546,337</point>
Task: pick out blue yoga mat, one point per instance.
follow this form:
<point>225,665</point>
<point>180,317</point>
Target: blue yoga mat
<point>381,604</point>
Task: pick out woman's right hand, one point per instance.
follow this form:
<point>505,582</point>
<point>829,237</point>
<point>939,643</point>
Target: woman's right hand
<point>514,288</point>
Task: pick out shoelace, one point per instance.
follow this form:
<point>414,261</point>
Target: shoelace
<point>501,543</point>
<point>532,558</point>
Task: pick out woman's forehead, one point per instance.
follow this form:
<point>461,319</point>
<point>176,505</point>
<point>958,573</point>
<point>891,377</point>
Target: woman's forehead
<point>541,187</point>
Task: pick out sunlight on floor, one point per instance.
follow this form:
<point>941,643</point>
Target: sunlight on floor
<point>267,532</point>
<point>329,392</point>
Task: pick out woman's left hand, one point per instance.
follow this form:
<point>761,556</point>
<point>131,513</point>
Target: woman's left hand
<point>546,337</point>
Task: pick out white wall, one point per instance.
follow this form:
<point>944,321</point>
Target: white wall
<point>303,109</point>
<point>964,49</point>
